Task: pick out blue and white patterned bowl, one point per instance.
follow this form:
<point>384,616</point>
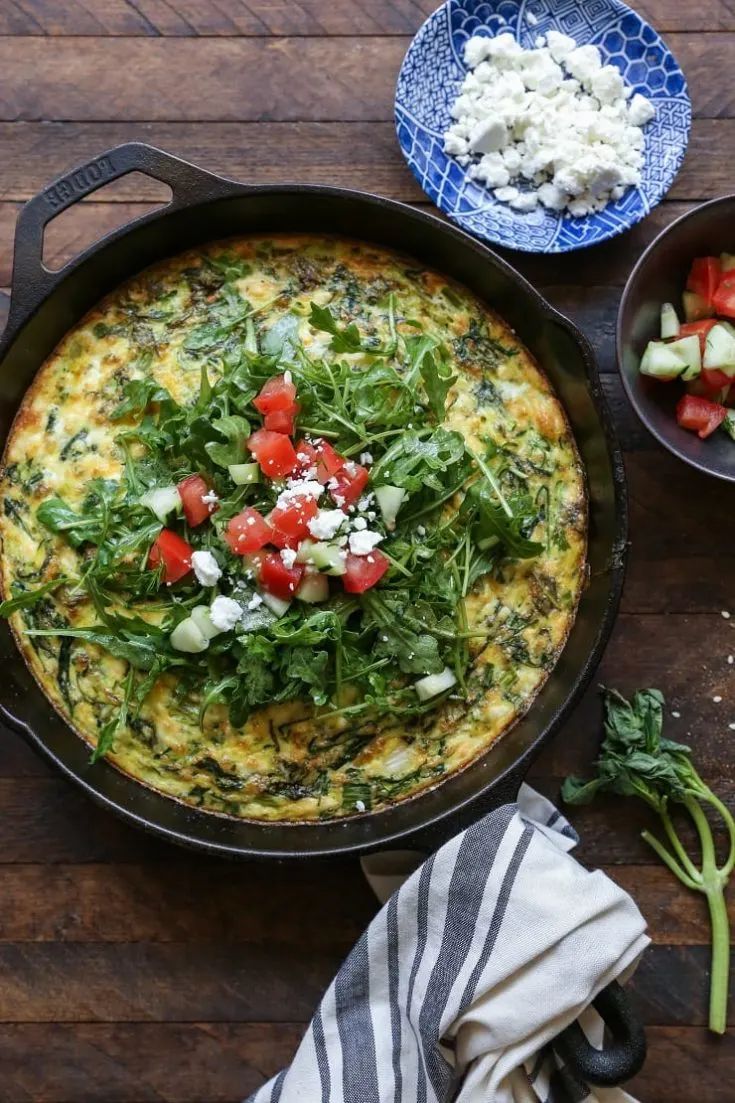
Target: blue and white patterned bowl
<point>434,69</point>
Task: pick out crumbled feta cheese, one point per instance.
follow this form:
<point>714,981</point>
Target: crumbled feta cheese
<point>531,19</point>
<point>359,523</point>
<point>548,125</point>
<point>225,613</point>
<point>676,715</point>
<point>366,458</point>
<point>362,543</point>
<point>288,557</point>
<point>210,498</point>
<point>206,568</point>
<point>725,615</point>
<point>287,377</point>
<point>730,659</point>
<point>326,523</point>
<point>420,530</point>
<point>360,805</point>
<point>640,110</point>
<point>254,602</point>
<point>299,488</point>
<point>717,700</point>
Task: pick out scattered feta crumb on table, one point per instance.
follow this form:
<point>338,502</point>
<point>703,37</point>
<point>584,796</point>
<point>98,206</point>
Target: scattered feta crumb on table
<point>553,119</point>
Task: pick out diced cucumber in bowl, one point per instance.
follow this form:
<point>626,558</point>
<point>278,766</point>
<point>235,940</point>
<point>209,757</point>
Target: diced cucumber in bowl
<point>325,557</point>
<point>728,423</point>
<point>661,362</point>
<point>669,322</point>
<point>244,473</point>
<point>202,617</point>
<point>277,605</point>
<point>719,349</point>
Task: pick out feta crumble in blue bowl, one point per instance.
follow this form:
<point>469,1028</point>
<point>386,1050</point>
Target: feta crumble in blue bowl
<point>526,144</point>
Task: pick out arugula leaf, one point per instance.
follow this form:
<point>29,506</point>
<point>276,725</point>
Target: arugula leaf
<point>236,430</point>
<point>57,516</point>
<point>282,339</point>
<point>417,458</point>
<point>141,651</point>
<point>491,525</point>
<point>344,338</point>
<point>139,395</point>
<point>425,356</point>
<point>404,632</point>
<point>636,761</point>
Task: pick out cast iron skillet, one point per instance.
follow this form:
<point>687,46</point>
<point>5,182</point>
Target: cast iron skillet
<point>45,305</point>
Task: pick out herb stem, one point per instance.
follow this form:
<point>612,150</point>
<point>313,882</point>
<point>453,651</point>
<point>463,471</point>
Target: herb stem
<point>493,483</point>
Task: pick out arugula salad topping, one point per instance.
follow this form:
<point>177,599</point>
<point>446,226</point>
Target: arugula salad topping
<point>307,527</point>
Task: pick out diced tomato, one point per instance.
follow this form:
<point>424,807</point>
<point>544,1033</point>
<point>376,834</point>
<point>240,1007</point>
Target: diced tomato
<point>290,524</point>
<point>363,571</point>
<point>320,455</point>
<point>724,297</point>
<point>278,394</point>
<point>278,579</point>
<point>192,491</point>
<point>714,379</point>
<point>699,414</point>
<point>700,328</point>
<point>173,552</point>
<point>247,531</point>
<point>273,451</point>
<point>349,483</point>
<point>704,276</point>
<point>280,421</point>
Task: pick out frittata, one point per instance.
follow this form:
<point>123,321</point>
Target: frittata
<point>311,711</point>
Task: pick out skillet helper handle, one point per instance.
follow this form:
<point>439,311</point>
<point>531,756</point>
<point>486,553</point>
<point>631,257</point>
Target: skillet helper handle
<point>31,280</point>
<point>618,1060</point>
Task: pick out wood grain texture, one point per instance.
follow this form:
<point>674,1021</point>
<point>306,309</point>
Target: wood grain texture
<point>347,154</point>
<point>133,972</point>
<point>219,1062</point>
<point>267,79</point>
<point>67,982</point>
<point>189,18</point>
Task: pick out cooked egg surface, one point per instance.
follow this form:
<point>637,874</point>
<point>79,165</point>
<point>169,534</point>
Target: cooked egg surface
<point>283,764</point>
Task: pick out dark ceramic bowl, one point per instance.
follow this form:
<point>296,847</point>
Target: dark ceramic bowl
<point>659,277</point>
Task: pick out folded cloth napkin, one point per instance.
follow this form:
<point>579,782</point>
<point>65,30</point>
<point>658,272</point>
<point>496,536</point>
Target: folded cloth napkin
<point>479,959</point>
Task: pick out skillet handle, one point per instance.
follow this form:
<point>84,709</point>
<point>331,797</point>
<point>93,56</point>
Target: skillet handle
<point>617,1061</point>
<point>31,280</point>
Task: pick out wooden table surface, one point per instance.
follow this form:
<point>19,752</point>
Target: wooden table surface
<point>130,971</point>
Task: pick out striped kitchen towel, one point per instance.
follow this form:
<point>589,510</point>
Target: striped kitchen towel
<point>485,953</point>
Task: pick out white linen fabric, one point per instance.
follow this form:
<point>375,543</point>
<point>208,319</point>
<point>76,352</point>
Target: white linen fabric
<point>480,957</point>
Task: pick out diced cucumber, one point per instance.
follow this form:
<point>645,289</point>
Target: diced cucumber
<point>719,348</point>
<point>163,501</point>
<point>660,362</point>
<point>188,637</point>
<point>202,617</point>
<point>669,322</point>
<point>695,307</point>
<point>277,605</point>
<point>326,557</point>
<point>432,684</point>
<point>690,351</point>
<point>389,499</point>
<point>728,423</point>
<point>244,473</point>
<point>727,261</point>
<point>313,589</point>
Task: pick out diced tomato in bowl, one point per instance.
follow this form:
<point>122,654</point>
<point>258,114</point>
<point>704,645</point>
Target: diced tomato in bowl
<point>701,415</point>
<point>701,329</point>
<point>280,421</point>
<point>172,551</point>
<point>704,276</point>
<point>723,299</point>
<point>197,500</point>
